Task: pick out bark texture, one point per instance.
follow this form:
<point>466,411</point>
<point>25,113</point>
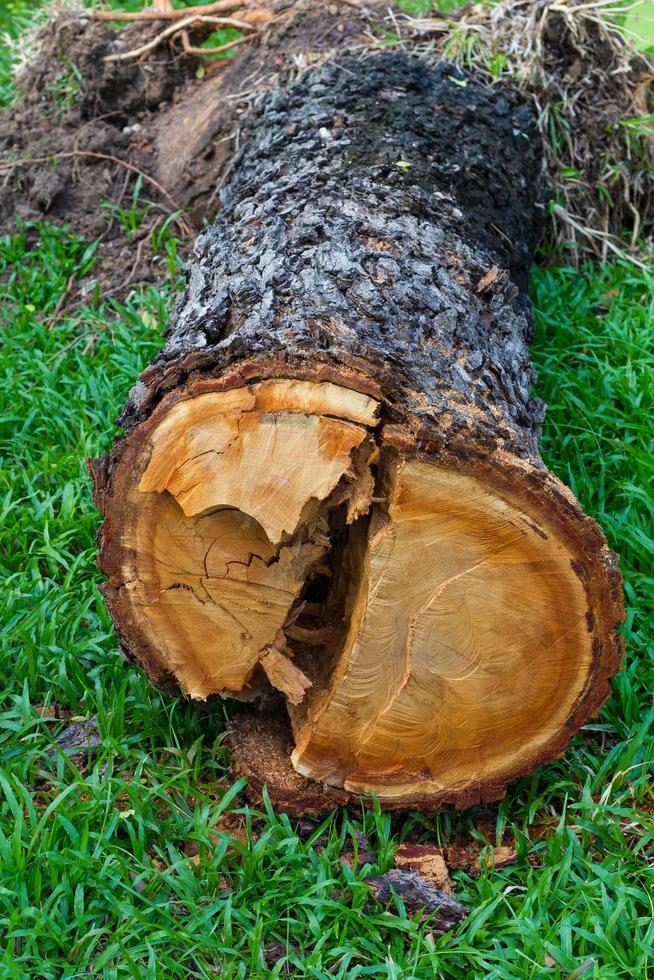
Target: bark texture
<point>375,236</point>
<point>366,211</point>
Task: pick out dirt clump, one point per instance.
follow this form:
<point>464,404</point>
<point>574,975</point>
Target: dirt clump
<point>80,133</point>
<point>83,130</point>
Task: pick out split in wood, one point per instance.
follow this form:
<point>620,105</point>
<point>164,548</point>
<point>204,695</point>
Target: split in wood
<point>429,606</point>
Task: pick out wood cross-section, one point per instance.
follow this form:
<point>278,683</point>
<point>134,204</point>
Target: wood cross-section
<point>228,521</point>
<point>467,648</point>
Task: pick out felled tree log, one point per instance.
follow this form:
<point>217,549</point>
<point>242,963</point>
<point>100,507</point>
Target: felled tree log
<point>330,483</point>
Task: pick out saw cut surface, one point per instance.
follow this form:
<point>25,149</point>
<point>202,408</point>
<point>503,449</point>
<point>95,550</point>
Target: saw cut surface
<point>428,634</point>
<point>224,527</point>
<point>209,590</point>
<point>466,651</point>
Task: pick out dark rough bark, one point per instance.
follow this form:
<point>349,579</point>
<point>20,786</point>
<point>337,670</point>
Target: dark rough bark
<point>371,203</point>
<point>377,232</point>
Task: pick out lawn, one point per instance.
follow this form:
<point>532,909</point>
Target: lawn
<point>116,862</point>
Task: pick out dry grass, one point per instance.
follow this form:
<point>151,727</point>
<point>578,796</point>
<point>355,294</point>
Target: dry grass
<point>593,95</point>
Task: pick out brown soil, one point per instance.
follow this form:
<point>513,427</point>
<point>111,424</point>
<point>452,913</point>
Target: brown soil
<point>154,115</point>
<point>113,113</point>
<point>157,116</point>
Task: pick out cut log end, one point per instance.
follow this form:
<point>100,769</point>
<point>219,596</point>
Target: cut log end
<point>437,629</point>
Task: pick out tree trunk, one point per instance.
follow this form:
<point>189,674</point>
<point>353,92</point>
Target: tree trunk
<point>330,483</point>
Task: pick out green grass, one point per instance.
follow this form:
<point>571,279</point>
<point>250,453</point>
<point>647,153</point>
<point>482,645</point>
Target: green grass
<point>94,878</point>
<point>79,886</point>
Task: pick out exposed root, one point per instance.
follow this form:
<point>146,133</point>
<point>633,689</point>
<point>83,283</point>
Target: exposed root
<point>160,14</point>
<point>180,26</point>
<point>192,49</point>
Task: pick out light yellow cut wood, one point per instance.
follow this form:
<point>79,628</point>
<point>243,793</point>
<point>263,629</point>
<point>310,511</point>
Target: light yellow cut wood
<point>467,645</point>
<point>316,398</point>
<point>203,588</point>
<point>207,575</point>
<point>239,449</point>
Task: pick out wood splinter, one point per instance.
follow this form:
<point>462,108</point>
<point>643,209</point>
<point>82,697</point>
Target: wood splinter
<point>282,672</point>
<point>330,483</point>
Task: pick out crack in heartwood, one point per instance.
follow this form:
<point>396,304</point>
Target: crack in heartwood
<point>182,585</point>
<point>207,452</point>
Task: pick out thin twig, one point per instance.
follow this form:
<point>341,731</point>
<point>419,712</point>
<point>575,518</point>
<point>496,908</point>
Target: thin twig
<point>137,261</point>
<point>191,49</point>
<point>60,302</point>
<point>28,161</point>
<point>64,349</point>
<point>147,233</point>
<point>173,29</point>
<point>128,15</point>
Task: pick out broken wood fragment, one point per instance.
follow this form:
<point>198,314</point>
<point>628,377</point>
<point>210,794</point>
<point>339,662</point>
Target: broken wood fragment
<point>474,857</point>
<point>427,860</point>
<point>444,913</point>
<point>284,675</point>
